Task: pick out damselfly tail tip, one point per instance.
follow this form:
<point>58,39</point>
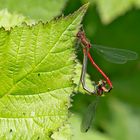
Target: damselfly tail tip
<point>110,89</point>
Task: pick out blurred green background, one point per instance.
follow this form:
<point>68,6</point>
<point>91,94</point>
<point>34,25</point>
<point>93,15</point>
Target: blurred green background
<point>112,23</point>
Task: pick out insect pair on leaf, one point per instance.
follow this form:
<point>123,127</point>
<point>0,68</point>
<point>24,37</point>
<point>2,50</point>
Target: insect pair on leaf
<point>119,56</point>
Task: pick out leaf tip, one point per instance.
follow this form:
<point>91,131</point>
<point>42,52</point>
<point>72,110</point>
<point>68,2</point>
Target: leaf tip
<point>84,8</point>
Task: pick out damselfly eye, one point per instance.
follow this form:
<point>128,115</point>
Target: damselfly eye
<point>80,34</point>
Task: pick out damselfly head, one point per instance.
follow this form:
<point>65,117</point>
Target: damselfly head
<point>80,34</point>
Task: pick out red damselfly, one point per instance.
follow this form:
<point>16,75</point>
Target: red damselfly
<point>119,56</point>
<point>114,55</point>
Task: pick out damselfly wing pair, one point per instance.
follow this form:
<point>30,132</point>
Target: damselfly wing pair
<point>119,56</point>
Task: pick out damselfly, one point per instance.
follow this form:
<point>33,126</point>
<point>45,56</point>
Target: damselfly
<point>114,55</point>
<point>119,56</point>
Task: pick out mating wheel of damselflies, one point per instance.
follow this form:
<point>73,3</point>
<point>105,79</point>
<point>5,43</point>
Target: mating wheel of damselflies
<point>119,56</point>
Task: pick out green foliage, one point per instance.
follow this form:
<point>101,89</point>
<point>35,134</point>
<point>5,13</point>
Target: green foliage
<point>8,20</point>
<point>118,127</point>
<point>111,9</point>
<point>35,9</point>
<point>91,134</point>
<point>117,115</point>
<point>64,133</point>
<point>36,69</point>
<point>123,121</point>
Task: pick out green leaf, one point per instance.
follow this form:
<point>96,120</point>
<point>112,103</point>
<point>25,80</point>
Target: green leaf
<point>111,9</point>
<point>64,133</point>
<point>90,135</point>
<point>36,69</point>
<point>8,20</point>
<point>35,9</point>
<point>125,122</point>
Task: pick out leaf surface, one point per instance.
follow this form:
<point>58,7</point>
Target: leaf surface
<point>8,20</point>
<point>111,9</point>
<point>36,69</point>
<point>35,9</point>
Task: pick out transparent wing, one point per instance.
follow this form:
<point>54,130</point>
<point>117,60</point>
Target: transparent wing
<point>89,116</point>
<point>114,55</point>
